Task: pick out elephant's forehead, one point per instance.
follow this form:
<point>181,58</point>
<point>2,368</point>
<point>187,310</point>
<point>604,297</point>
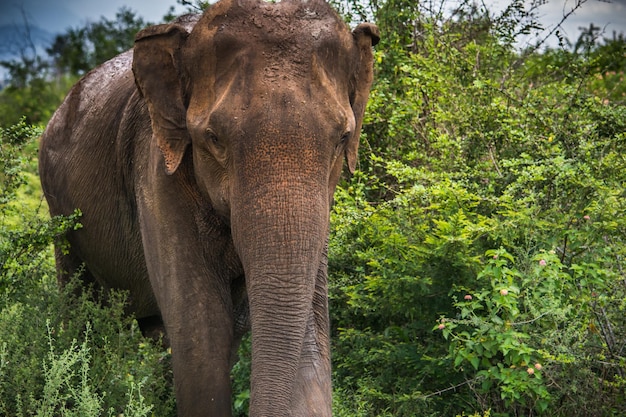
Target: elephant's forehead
<point>255,50</point>
<point>286,29</point>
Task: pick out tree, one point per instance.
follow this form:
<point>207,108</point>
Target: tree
<point>28,66</point>
<point>80,49</point>
<point>68,52</point>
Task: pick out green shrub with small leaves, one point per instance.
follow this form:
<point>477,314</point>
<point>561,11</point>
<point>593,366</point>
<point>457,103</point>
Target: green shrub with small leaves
<point>62,352</point>
<point>477,256</point>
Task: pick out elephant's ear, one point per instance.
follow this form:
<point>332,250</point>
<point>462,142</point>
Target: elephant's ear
<point>156,65</point>
<point>365,36</point>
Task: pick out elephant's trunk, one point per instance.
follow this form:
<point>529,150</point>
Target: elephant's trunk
<point>280,240</point>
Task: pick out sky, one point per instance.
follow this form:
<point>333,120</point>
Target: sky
<point>55,16</point>
<point>610,16</point>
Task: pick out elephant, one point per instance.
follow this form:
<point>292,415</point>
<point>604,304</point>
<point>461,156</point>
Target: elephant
<point>204,163</point>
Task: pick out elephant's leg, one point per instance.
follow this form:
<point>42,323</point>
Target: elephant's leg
<point>153,328</point>
<point>190,265</point>
<point>241,316</point>
<point>199,326</point>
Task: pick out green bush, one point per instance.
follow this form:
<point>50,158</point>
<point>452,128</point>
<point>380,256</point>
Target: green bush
<point>62,352</point>
<point>25,234</point>
<point>66,354</point>
<point>477,257</point>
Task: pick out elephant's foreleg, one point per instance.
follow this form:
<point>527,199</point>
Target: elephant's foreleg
<point>200,331</point>
<point>241,315</point>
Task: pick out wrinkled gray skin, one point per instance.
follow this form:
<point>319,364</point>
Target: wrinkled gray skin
<point>204,163</point>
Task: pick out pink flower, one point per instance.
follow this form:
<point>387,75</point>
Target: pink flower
<point>441,326</point>
<point>538,366</point>
<point>468,297</point>
<point>542,262</point>
<point>530,371</point>
<point>504,291</point>
<point>495,256</point>
<point>586,217</point>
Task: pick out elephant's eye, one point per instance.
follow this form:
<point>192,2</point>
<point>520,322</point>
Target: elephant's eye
<point>216,147</point>
<point>344,138</point>
<point>212,137</point>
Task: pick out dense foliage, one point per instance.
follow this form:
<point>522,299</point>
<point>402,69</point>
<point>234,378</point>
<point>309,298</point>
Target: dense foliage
<point>476,257</point>
<point>61,353</point>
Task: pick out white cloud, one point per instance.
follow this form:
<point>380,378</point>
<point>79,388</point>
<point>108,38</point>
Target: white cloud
<point>608,16</point>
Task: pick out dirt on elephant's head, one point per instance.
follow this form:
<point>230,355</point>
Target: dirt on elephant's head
<point>282,35</point>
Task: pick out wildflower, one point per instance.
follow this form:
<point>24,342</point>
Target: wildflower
<point>504,291</point>
<point>495,256</point>
<point>441,326</point>
<point>542,262</point>
<point>586,217</point>
<point>468,297</point>
<point>538,366</point>
<point>530,371</point>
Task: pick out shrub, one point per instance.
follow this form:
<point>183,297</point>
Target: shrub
<point>477,258</point>
<point>78,357</point>
<point>62,352</point>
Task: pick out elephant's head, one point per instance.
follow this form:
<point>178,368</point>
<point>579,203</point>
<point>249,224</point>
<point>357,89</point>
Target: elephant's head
<point>269,99</point>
